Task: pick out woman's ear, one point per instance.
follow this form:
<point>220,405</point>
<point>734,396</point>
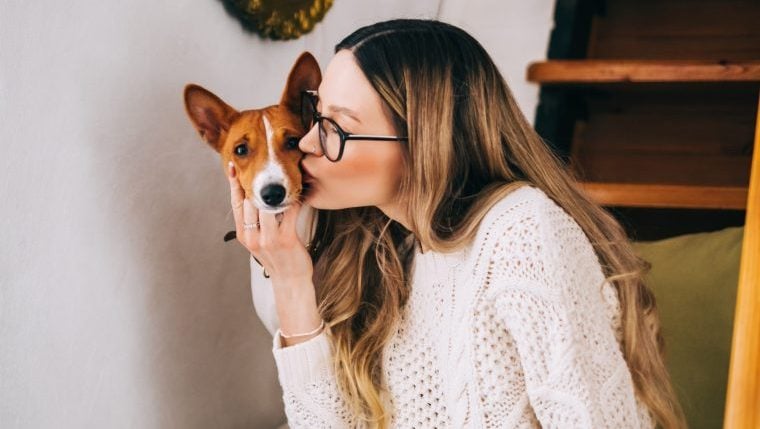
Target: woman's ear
<point>210,115</point>
<point>304,74</point>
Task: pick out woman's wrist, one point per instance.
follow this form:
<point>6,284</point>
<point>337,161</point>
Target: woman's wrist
<point>292,339</point>
<point>293,289</point>
<point>297,311</point>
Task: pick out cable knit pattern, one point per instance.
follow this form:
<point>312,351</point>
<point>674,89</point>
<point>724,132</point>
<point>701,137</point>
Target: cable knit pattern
<point>520,330</point>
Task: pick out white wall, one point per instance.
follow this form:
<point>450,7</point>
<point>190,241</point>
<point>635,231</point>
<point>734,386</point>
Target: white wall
<point>120,305</point>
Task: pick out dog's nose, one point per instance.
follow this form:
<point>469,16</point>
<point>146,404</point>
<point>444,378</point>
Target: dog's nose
<point>273,194</point>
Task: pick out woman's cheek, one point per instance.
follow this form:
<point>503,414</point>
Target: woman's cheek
<point>383,158</point>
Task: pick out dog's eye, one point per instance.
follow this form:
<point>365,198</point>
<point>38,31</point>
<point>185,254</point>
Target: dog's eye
<point>292,143</point>
<point>242,149</point>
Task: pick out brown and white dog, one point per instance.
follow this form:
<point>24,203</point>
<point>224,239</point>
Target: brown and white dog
<point>261,143</point>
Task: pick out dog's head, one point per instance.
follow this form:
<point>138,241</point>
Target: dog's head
<point>261,143</point>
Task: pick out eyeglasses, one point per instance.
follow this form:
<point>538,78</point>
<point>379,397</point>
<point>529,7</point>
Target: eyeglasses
<point>332,138</point>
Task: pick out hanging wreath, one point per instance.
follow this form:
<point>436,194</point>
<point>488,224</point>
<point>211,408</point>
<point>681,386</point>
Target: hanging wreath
<point>278,19</point>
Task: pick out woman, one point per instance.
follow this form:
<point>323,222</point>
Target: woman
<point>457,276</point>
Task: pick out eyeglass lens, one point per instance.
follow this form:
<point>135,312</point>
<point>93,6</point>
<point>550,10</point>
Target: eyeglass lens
<point>329,137</point>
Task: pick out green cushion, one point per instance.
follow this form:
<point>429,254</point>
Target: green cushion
<point>694,278</point>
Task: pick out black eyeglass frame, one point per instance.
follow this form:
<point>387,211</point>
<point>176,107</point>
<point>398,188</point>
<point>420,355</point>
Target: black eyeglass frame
<point>317,119</point>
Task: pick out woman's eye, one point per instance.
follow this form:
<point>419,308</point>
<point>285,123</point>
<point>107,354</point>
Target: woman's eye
<point>332,128</point>
<point>242,149</point>
<point>292,143</point>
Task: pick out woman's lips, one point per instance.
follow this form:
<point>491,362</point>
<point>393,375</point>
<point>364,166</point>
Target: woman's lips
<point>306,176</point>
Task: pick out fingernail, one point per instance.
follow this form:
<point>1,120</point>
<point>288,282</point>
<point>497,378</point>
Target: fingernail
<point>231,168</point>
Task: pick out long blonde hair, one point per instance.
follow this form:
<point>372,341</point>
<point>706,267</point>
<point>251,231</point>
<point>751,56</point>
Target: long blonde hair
<point>469,145</point>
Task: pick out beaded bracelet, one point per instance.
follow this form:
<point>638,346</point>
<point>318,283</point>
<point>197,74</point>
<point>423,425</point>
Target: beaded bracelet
<point>321,325</point>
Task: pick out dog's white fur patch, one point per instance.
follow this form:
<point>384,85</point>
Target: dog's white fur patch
<point>273,171</point>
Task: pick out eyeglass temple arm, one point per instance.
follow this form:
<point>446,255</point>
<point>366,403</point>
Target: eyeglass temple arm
<point>369,136</point>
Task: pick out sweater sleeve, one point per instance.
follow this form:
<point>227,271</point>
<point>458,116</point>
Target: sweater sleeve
<point>552,297</point>
<point>310,389</point>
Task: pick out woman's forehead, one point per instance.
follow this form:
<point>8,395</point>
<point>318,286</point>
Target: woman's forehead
<point>344,85</point>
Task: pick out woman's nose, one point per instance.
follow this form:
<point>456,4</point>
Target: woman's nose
<point>310,142</point>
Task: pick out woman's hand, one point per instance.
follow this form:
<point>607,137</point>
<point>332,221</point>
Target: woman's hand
<point>274,243</point>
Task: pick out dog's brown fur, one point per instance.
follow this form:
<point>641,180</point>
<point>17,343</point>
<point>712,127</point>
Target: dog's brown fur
<point>226,129</point>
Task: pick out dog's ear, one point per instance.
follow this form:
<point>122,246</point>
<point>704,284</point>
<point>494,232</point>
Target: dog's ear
<point>305,74</point>
<point>210,115</point>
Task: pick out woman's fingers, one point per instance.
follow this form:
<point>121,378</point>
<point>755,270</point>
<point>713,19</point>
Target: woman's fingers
<point>288,225</point>
<point>243,211</point>
<point>237,195</point>
<point>269,228</point>
<point>250,217</point>
<point>273,231</point>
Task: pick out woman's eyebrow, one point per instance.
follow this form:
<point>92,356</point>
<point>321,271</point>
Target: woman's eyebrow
<point>345,110</point>
<point>340,109</point>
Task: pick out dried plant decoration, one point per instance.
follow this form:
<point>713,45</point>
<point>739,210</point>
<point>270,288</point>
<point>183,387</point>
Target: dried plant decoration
<point>278,19</point>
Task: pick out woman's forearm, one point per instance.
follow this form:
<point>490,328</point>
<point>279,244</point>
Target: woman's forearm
<point>296,309</point>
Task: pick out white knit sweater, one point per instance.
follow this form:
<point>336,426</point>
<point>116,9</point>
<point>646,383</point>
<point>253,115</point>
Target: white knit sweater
<point>520,330</point>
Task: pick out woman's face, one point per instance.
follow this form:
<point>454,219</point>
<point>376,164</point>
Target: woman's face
<point>369,172</point>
